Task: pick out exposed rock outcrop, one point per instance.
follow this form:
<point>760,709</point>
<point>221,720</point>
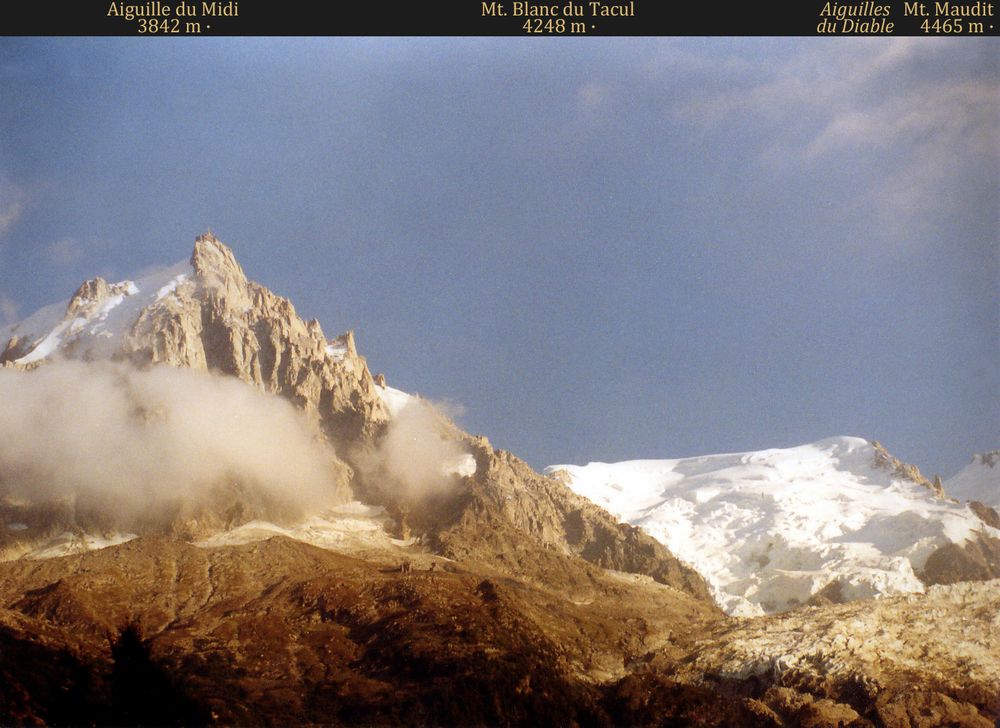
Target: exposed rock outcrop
<point>223,322</point>
<point>989,459</point>
<point>506,505</point>
<point>976,560</point>
<point>926,660</point>
<point>987,515</point>
<point>884,460</point>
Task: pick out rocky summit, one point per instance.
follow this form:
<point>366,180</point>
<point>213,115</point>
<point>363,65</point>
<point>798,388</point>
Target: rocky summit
<point>211,513</point>
<point>206,315</point>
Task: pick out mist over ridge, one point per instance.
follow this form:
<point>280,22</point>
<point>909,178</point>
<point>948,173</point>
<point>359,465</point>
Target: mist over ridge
<point>142,442</point>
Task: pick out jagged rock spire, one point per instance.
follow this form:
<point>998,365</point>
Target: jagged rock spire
<point>215,265</point>
<point>208,315</point>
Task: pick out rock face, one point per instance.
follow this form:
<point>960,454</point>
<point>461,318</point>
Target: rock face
<point>976,560</point>
<point>506,500</point>
<point>884,460</point>
<point>987,515</point>
<point>207,315</point>
<point>223,322</point>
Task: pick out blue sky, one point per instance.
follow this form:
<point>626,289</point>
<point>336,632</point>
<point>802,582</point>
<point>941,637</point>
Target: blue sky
<point>602,249</point>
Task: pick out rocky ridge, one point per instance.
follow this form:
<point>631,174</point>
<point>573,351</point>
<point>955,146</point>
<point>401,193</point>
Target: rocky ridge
<point>506,499</point>
<point>223,322</point>
<point>506,598</point>
<point>885,460</point>
<point>208,316</point>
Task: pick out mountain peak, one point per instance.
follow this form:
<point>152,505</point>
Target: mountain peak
<point>94,294</point>
<point>212,260</point>
<point>773,529</point>
<point>988,459</point>
<point>206,314</point>
<point>979,480</point>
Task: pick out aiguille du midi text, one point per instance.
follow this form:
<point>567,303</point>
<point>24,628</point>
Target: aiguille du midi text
<point>158,9</point>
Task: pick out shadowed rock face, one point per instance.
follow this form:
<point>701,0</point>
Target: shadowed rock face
<point>977,560</point>
<point>986,514</point>
<point>279,632</point>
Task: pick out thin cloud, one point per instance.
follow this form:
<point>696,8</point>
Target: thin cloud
<point>592,94</point>
<point>917,125</point>
<point>65,252</point>
<point>8,309</point>
<point>959,117</point>
<point>10,213</point>
<point>11,205</point>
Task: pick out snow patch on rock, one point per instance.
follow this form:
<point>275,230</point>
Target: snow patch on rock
<point>345,528</point>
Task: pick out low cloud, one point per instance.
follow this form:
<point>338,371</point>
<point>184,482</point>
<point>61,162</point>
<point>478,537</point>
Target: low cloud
<point>139,448</point>
<point>419,455</point>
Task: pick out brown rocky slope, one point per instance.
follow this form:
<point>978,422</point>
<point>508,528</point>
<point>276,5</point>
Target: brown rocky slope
<point>278,632</point>
<point>281,632</point>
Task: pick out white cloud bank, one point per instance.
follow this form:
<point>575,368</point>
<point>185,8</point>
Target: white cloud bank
<point>145,446</point>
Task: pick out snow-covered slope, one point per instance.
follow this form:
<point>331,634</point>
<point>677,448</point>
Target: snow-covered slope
<point>978,481</point>
<point>93,322</point>
<point>348,528</point>
<point>770,529</point>
<point>395,399</point>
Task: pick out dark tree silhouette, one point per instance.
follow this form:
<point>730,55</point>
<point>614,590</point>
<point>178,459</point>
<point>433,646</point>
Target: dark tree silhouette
<point>144,693</point>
